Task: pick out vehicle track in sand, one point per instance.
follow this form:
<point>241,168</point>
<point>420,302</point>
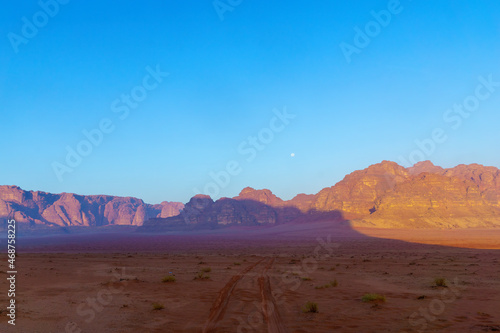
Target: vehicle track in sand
<point>268,309</point>
<point>220,304</point>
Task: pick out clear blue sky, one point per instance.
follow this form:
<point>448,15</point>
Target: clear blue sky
<point>225,79</point>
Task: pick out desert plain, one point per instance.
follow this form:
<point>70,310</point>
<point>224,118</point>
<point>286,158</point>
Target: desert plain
<point>246,279</point>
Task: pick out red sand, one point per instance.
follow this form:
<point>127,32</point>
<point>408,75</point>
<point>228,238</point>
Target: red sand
<point>259,281</point>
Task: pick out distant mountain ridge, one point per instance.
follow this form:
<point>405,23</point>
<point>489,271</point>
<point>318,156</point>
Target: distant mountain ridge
<point>383,195</point>
<point>68,209</point>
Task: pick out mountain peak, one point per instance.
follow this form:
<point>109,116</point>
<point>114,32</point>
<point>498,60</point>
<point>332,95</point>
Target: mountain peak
<point>265,196</point>
<point>424,166</point>
<point>247,190</point>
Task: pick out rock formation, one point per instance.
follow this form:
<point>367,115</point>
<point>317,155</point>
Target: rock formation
<point>382,195</point>
<point>67,209</point>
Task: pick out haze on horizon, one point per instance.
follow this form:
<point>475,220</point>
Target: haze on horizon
<point>287,97</point>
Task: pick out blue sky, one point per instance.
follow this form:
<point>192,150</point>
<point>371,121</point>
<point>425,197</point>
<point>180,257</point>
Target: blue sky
<point>225,78</point>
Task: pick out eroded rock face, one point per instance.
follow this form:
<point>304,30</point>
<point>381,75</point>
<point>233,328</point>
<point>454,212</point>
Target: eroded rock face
<point>302,202</point>
<point>202,212</point>
<point>433,194</point>
<point>424,166</point>
<point>264,196</point>
<point>356,194</point>
<point>486,178</point>
<point>382,195</point>
<point>464,196</point>
<point>68,209</point>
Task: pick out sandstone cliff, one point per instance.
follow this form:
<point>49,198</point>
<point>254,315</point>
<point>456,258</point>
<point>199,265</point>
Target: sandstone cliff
<point>382,195</point>
<point>67,209</point>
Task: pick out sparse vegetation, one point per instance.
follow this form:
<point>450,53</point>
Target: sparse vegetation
<point>158,306</point>
<point>310,307</point>
<point>323,286</point>
<point>333,283</point>
<point>237,263</point>
<point>202,276</point>
<point>373,298</point>
<point>305,278</point>
<point>440,282</point>
<point>206,269</point>
<point>168,278</point>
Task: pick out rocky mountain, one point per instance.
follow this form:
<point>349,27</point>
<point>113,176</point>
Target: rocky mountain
<point>67,209</point>
<point>424,166</point>
<point>430,196</point>
<point>382,195</point>
<point>487,179</point>
<point>250,208</point>
<point>434,200</point>
<point>356,194</point>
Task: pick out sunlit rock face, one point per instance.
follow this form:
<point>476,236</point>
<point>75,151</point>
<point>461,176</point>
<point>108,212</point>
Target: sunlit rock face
<point>382,195</point>
<point>356,194</point>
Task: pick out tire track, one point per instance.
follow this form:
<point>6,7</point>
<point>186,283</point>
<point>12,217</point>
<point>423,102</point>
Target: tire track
<point>220,304</point>
<point>269,308</point>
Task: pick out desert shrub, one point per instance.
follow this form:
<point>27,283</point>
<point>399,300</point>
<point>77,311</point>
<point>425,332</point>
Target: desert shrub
<point>237,263</point>
<point>440,282</point>
<point>168,278</point>
<point>373,298</point>
<point>158,306</point>
<point>305,278</point>
<point>333,283</point>
<point>310,307</point>
<point>206,269</point>
<point>202,276</point>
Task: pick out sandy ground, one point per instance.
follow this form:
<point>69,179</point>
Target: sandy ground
<point>256,280</point>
